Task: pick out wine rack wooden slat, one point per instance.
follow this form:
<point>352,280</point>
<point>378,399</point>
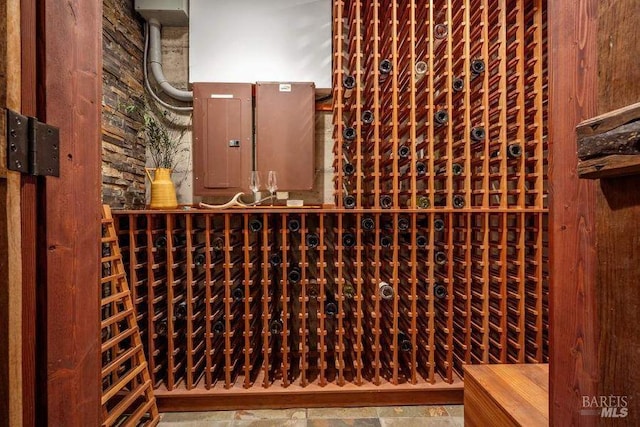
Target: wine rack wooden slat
<point>127,390</point>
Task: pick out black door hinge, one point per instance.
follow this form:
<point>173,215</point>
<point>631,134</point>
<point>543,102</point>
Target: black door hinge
<point>32,147</point>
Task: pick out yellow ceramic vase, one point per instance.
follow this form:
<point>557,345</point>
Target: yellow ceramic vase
<point>163,191</point>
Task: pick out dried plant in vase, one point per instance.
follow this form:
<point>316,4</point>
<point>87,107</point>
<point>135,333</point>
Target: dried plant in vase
<point>163,136</point>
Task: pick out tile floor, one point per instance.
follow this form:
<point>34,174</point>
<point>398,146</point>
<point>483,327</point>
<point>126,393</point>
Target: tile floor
<point>391,416</point>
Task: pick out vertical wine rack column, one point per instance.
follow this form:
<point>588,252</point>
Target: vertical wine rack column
<point>158,298</point>
<point>340,79</point>
<point>131,232</point>
<point>461,261</point>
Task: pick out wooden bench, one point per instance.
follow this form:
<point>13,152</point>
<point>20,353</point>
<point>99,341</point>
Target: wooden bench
<point>506,395</point>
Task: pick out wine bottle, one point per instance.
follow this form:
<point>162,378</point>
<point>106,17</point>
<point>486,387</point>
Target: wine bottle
<point>368,223</point>
<point>293,224</point>
<point>218,327</point>
<point>441,117</point>
<point>385,291</point>
<point>330,309</point>
<point>404,342</point>
<point>440,31</point>
<point>180,311</point>
<point>421,168</point>
<point>514,151</point>
<point>478,134</point>
<point>348,169</point>
<point>218,244</point>
<point>457,169</point>
<point>275,327</point>
<point>162,328</point>
<point>199,259</point>
<point>386,201</point>
<point>458,201</point>
<point>423,202</point>
<point>349,202</point>
<point>404,152</point>
<point>275,260</point>
<point>420,70</point>
<point>386,241</point>
<point>421,241</point>
<point>349,133</point>
<point>160,242</point>
<point>404,224</point>
<point>458,84</point>
<point>312,240</point>
<point>367,117</point>
<point>348,240</point>
<point>348,291</point>
<point>294,275</point>
<point>439,291</point>
<point>348,83</point>
<point>385,67</point>
<point>237,294</point>
<point>255,225</point>
<point>438,225</point>
<point>477,67</point>
<point>440,257</point>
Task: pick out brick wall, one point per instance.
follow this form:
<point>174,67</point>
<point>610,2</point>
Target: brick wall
<point>123,152</point>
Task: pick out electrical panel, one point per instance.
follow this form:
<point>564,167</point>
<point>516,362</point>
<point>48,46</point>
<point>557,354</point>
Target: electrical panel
<point>223,116</point>
<point>285,129</point>
<point>222,138</point>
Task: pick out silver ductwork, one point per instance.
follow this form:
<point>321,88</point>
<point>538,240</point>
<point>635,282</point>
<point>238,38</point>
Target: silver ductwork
<point>155,64</point>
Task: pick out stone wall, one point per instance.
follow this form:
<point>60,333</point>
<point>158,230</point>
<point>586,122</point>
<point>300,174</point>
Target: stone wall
<point>123,151</point>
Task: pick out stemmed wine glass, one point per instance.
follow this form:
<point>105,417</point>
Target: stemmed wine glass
<point>272,185</point>
<point>254,185</point>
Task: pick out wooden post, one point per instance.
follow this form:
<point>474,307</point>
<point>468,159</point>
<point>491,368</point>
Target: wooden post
<point>72,67</point>
<point>10,237</point>
<point>573,343</point>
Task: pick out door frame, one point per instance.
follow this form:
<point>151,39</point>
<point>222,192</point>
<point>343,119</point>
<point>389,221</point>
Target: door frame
<point>10,236</point>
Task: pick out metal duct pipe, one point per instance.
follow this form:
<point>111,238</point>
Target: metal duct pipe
<point>155,63</point>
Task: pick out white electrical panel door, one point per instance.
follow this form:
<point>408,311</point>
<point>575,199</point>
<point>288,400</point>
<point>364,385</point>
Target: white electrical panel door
<point>260,40</point>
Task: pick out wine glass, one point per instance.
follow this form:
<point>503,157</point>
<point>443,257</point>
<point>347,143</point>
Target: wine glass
<point>272,185</point>
<point>254,185</point>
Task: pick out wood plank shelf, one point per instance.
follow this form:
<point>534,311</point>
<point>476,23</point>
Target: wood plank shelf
<point>612,166</point>
<point>609,145</point>
<point>507,395</point>
<point>350,395</point>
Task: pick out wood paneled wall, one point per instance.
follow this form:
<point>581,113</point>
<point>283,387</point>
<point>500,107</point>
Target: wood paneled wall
<point>617,218</point>
<point>573,325</point>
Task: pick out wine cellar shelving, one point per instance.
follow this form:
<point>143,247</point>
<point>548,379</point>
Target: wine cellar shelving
<point>296,298</point>
<point>434,256</point>
<point>440,106</point>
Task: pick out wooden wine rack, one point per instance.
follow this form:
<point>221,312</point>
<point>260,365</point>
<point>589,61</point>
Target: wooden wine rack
<point>127,391</point>
<point>469,133</point>
<point>444,180</point>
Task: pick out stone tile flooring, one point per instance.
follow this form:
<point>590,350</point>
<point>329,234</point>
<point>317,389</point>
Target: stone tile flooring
<point>389,416</point>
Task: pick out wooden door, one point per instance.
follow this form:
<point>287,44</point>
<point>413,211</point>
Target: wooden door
<point>50,227</point>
